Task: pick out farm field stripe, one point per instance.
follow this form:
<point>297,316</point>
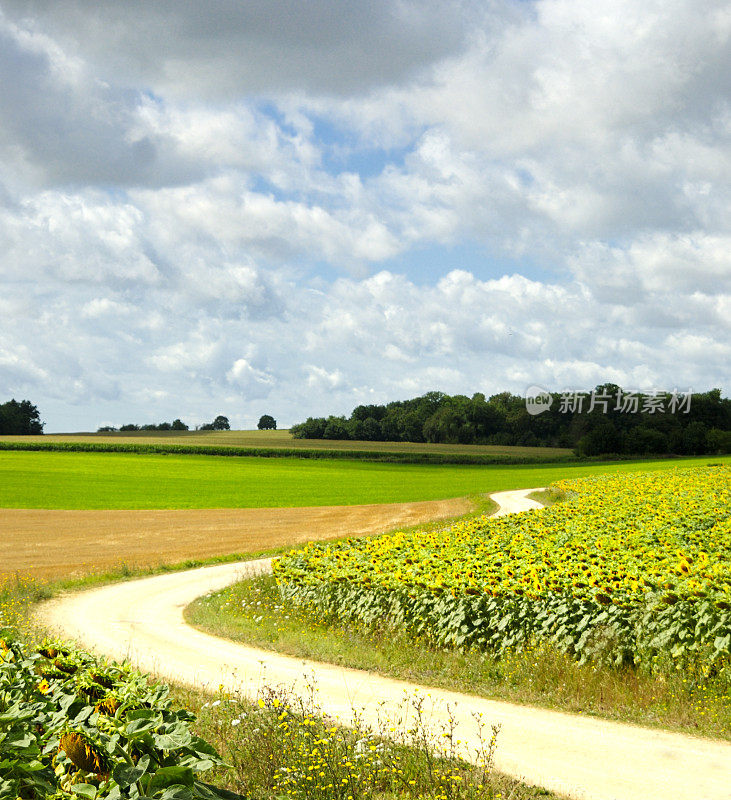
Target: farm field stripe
<point>352,454</point>
<point>76,481</point>
<point>580,757</point>
<point>84,541</point>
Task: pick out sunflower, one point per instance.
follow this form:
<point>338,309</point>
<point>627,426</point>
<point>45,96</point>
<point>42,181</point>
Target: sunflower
<point>83,753</point>
<point>108,706</point>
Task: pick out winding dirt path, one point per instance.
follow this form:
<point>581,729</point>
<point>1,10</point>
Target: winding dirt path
<point>581,757</point>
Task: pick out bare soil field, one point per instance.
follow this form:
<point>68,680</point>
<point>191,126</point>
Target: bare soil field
<point>54,544</point>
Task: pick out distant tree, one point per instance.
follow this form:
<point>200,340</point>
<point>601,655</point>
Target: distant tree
<point>605,420</point>
<point>106,429</point>
<point>364,412</point>
<point>221,423</point>
<point>604,438</point>
<point>643,440</point>
<point>129,427</point>
<point>208,426</point>
<point>178,425</point>
<point>267,423</point>
<point>694,438</point>
<point>20,418</point>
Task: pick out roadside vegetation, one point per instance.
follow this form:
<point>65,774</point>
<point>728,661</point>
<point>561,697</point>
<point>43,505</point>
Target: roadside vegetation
<point>252,612</point>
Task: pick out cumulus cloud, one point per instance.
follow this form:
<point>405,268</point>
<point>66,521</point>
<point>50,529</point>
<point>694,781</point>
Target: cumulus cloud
<point>228,49</point>
<point>230,206</point>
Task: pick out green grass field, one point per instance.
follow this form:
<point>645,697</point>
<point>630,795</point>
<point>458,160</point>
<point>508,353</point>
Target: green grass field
<point>130,481</point>
<point>283,439</point>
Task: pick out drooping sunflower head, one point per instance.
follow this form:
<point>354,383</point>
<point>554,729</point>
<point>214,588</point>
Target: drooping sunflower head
<point>102,680</point>
<point>65,665</point>
<point>52,649</point>
<point>6,654</point>
<point>108,706</point>
<point>84,754</point>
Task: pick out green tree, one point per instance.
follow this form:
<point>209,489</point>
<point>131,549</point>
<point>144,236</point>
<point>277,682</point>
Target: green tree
<point>221,423</point>
<point>20,418</point>
<point>336,428</point>
<point>718,441</point>
<point>311,428</point>
<point>267,423</point>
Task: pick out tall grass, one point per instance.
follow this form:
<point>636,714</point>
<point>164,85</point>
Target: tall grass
<point>18,594</point>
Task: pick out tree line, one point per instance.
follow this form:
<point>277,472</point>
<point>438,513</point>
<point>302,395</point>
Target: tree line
<point>607,420</point>
<point>20,418</point>
<point>220,423</point>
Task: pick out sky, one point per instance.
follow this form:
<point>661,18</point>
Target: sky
<point>294,208</point>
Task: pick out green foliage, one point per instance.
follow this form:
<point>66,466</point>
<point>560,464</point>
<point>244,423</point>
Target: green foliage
<point>71,726</point>
<point>504,420</point>
<point>20,418</point>
<point>131,427</point>
<point>267,423</point>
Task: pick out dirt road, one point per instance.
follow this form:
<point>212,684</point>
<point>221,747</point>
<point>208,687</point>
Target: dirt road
<point>580,757</point>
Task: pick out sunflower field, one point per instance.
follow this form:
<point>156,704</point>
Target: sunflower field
<point>73,727</point>
<point>631,568</point>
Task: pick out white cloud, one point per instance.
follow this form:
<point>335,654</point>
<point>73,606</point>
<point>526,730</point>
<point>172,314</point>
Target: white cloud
<point>319,378</point>
<point>228,49</point>
<point>231,206</point>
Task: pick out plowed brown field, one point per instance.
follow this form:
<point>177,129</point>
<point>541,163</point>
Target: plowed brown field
<point>46,543</point>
